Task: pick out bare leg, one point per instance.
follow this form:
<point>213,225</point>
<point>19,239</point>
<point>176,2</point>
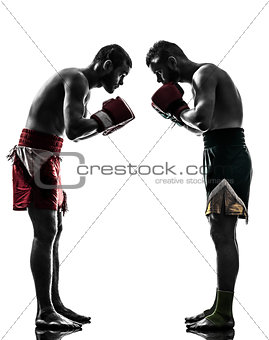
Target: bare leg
<point>45,228</point>
<point>56,300</point>
<point>223,233</point>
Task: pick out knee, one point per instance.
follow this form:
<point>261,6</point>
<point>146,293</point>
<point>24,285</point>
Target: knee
<point>220,238</point>
<point>220,235</point>
<point>59,223</point>
<point>59,228</point>
<point>46,231</point>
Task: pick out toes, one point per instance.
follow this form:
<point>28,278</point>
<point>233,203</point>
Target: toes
<point>79,318</point>
<point>203,324</point>
<point>77,325</point>
<point>209,325</point>
<point>84,319</point>
<point>195,318</point>
<point>60,326</point>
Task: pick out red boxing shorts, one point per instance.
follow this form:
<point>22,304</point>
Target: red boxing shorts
<point>37,154</point>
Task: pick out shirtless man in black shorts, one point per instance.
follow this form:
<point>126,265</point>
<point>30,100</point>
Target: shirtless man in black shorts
<point>217,115</point>
<point>61,107</point>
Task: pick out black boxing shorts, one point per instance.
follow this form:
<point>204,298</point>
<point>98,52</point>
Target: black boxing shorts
<point>227,172</point>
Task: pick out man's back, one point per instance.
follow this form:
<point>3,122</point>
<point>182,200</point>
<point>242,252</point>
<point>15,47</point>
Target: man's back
<point>46,112</point>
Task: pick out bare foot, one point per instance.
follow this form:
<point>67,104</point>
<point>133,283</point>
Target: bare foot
<point>68,313</point>
<point>198,317</point>
<point>50,319</point>
<point>204,314</point>
<point>211,323</point>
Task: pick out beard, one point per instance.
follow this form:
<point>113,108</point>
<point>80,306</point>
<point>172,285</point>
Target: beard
<point>173,76</point>
<point>108,83</point>
<point>108,89</point>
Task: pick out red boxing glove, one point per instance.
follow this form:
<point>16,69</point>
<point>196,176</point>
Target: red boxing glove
<point>115,114</point>
<point>167,101</point>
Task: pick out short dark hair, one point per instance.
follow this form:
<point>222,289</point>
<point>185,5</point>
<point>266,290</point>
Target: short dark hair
<point>164,49</point>
<point>115,53</point>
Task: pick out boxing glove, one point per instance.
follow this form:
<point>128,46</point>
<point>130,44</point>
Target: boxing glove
<point>168,102</point>
<point>115,114</point>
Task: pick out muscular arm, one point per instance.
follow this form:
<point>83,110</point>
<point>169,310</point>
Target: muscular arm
<point>204,86</point>
<point>77,127</point>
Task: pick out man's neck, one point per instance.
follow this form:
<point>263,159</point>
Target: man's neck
<point>189,69</point>
<point>92,76</point>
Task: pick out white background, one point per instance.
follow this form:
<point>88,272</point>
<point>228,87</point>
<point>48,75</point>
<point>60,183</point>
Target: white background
<point>135,271</point>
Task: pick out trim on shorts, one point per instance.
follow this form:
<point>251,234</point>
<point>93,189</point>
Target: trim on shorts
<point>233,204</point>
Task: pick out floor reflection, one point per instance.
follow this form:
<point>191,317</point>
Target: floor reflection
<point>220,335</point>
<point>53,335</point>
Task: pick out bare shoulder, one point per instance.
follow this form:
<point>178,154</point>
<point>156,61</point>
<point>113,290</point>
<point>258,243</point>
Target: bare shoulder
<point>206,71</point>
<point>205,75</point>
<point>73,77</point>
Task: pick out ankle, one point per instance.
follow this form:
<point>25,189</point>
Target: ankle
<point>58,304</point>
<point>46,309</point>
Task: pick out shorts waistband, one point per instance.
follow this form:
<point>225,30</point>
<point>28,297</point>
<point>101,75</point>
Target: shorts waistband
<point>40,140</point>
<point>229,136</point>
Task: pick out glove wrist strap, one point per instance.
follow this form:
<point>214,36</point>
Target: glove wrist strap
<point>103,120</point>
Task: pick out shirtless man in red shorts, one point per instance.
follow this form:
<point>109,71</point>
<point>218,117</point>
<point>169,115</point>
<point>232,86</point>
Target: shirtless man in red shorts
<point>217,115</point>
<point>61,107</point>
